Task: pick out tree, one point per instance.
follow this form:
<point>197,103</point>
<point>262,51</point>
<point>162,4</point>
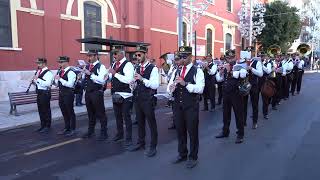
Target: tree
<point>283,26</point>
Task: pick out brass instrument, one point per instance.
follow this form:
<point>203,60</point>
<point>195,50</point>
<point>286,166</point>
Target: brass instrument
<point>32,82</point>
<point>304,49</point>
<point>178,71</point>
<point>274,50</point>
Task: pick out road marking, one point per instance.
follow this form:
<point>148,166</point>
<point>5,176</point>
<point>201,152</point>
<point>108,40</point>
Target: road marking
<point>52,146</point>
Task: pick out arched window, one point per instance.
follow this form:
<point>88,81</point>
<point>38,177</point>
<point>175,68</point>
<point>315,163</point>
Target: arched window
<point>5,24</point>
<point>92,23</point>
<point>228,41</point>
<point>184,33</point>
<point>209,41</point>
<point>229,5</point>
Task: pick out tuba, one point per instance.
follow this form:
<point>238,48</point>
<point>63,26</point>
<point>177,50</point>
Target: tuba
<point>304,49</point>
<point>274,50</point>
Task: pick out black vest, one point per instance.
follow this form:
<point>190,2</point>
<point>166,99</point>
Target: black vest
<point>209,78</point>
<point>90,85</point>
<point>181,94</point>
<point>253,79</point>
<point>230,84</point>
<point>65,77</point>
<point>141,91</point>
<point>116,85</point>
<point>41,76</point>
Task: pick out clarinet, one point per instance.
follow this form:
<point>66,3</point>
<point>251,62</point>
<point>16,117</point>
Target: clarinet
<point>54,81</point>
<point>28,89</point>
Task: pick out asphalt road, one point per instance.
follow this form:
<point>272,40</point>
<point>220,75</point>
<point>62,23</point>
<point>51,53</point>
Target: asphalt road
<point>285,147</point>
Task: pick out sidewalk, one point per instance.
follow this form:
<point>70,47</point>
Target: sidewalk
<point>28,114</point>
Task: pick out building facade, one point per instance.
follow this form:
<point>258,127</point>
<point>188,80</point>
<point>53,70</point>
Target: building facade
<point>49,28</point>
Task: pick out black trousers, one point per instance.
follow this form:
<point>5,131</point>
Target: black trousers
<point>122,113</point>
<point>96,110</point>
<point>294,82</point>
<point>284,87</point>
<point>299,80</point>
<point>219,92</point>
<point>209,94</point>
<point>273,100</point>
<point>186,119</point>
<point>254,98</point>
<point>43,103</point>
<point>279,85</point>
<point>145,112</point>
<point>66,99</point>
<point>289,81</point>
<point>233,101</point>
<point>265,100</point>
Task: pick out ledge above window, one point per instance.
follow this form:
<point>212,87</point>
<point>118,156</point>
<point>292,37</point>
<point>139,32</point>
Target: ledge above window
<point>10,49</point>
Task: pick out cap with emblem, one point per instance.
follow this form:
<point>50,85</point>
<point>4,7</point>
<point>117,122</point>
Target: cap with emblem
<point>176,56</point>
<point>117,48</point>
<point>41,60</point>
<point>62,59</point>
<point>230,53</point>
<point>185,50</point>
<point>141,48</point>
<point>93,52</point>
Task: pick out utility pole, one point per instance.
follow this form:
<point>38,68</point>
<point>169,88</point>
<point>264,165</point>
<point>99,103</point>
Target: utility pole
<point>180,21</point>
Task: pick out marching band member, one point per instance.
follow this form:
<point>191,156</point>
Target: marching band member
<point>43,79</point>
<point>220,83</point>
<point>300,74</point>
<point>121,75</point>
<point>147,78</point>
<point>232,99</point>
<point>94,96</point>
<point>186,86</point>
<point>209,92</point>
<point>66,81</point>
<point>284,78</point>
<point>279,85</point>
<point>255,73</point>
<point>289,75</point>
<point>267,70</point>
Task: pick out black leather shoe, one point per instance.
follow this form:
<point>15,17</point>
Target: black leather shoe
<point>212,109</point>
<point>117,138</point>
<point>191,163</point>
<point>274,108</point>
<point>150,152</point>
<point>70,133</point>
<point>239,140</point>
<point>222,135</point>
<point>136,147</point>
<point>135,123</point>
<point>38,130</point>
<point>298,92</point>
<point>205,109</point>
<point>63,132</point>
<point>292,94</point>
<point>179,159</point>
<point>172,127</point>
<point>88,135</point>
<point>127,143</point>
<point>254,126</point>
<point>219,103</point>
<point>44,130</point>
<point>266,117</point>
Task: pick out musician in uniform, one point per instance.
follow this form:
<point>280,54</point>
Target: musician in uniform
<point>289,75</point>
<point>43,80</point>
<point>300,74</point>
<point>232,98</point>
<point>135,64</point>
<point>220,82</point>
<point>267,67</point>
<point>284,78</point>
<point>121,75</point>
<point>209,92</point>
<point>279,85</point>
<point>94,96</point>
<point>186,86</point>
<point>297,75</point>
<point>255,73</point>
<point>66,82</point>
<point>147,78</point>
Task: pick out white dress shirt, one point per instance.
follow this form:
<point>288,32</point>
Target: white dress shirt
<point>267,69</point>
<point>127,78</point>
<point>153,82</point>
<point>258,71</point>
<point>284,67</point>
<point>242,73</point>
<point>102,72</point>
<point>192,88</point>
<point>301,64</point>
<point>71,78</point>
<point>219,77</point>
<point>289,65</point>
<point>46,81</point>
<point>213,69</point>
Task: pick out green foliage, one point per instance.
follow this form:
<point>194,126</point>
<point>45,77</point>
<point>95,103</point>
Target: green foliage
<point>283,26</point>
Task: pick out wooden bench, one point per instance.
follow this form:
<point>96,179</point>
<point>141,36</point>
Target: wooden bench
<point>23,98</point>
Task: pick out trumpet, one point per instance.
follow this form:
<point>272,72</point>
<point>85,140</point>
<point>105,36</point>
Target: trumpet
<point>32,81</point>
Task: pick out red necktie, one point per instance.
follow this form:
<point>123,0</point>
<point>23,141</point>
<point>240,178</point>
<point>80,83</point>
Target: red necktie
<point>183,72</point>
<point>117,65</point>
<point>62,73</point>
<point>90,67</point>
<point>142,70</point>
<point>40,72</point>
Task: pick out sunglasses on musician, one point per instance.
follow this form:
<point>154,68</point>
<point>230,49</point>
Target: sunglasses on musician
<point>138,55</point>
<point>183,56</point>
